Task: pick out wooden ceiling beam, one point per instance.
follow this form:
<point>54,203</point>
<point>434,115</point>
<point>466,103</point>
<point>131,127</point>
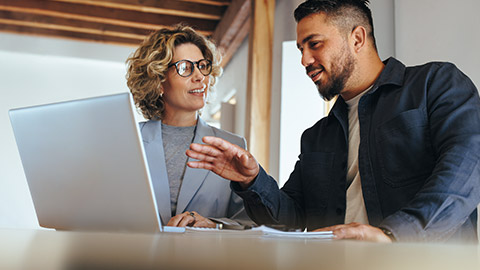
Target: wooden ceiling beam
<point>231,30</point>
<point>165,7</point>
<point>230,51</point>
<point>210,2</point>
<point>103,15</point>
<point>70,35</point>
<point>41,21</point>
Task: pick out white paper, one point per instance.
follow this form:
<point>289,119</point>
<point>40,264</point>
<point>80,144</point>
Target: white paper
<point>267,232</point>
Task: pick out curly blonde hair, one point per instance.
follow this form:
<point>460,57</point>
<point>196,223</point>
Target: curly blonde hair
<point>147,67</point>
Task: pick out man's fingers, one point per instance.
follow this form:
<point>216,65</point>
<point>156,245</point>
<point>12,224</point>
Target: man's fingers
<point>205,149</point>
<point>331,228</point>
<point>201,165</point>
<point>199,156</point>
<point>218,142</point>
<point>348,233</point>
<point>345,231</point>
<point>357,231</point>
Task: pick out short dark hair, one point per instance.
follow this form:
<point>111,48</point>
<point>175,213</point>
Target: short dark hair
<point>345,14</point>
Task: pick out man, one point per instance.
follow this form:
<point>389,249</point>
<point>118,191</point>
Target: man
<point>397,158</point>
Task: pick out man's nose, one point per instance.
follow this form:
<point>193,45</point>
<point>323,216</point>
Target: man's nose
<point>307,58</point>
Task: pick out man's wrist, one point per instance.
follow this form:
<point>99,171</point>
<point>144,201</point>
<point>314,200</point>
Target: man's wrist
<point>245,185</point>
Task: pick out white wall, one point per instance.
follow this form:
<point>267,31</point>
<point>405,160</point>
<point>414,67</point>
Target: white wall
<point>234,80</point>
<point>383,13</point>
<point>301,107</point>
<point>440,30</point>
<point>36,71</point>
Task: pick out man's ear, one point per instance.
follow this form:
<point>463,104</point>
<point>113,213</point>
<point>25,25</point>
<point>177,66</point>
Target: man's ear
<point>358,38</point>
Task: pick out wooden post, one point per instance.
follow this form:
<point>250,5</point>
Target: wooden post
<point>257,126</point>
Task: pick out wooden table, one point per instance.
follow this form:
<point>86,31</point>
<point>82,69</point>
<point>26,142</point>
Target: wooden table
<point>42,249</point>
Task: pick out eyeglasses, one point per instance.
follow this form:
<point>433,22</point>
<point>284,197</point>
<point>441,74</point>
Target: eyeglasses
<point>185,67</point>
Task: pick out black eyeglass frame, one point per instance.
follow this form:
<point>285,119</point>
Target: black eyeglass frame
<point>193,64</point>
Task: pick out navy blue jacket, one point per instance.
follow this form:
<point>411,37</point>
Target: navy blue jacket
<point>418,160</point>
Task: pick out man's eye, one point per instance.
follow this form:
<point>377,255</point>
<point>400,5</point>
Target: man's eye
<point>315,44</point>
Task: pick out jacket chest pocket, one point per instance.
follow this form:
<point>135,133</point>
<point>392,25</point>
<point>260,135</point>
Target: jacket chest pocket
<point>404,149</point>
<point>317,169</point>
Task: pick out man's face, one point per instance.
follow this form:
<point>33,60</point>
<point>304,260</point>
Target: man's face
<point>326,55</point>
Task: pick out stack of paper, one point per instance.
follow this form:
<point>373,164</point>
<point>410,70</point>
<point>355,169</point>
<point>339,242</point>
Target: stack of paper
<point>266,232</point>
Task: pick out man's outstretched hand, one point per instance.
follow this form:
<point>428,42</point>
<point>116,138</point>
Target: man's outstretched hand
<point>225,159</point>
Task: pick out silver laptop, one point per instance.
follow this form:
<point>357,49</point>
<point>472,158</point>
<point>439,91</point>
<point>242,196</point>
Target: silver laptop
<point>85,165</point>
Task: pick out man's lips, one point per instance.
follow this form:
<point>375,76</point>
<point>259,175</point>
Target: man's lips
<point>314,72</point>
<point>315,75</point>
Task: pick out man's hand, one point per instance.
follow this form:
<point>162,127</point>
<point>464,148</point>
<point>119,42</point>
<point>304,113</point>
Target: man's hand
<point>225,159</point>
<point>358,231</point>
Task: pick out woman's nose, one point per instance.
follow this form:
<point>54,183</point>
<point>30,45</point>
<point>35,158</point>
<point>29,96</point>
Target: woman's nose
<point>197,75</point>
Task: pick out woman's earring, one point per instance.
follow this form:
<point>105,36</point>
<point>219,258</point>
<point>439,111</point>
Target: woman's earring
<point>161,95</point>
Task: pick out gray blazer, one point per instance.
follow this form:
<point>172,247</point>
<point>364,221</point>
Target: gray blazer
<point>202,190</point>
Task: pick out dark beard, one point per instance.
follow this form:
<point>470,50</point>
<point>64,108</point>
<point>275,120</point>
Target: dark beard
<point>340,73</point>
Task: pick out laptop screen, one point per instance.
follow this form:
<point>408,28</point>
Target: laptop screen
<point>85,165</point>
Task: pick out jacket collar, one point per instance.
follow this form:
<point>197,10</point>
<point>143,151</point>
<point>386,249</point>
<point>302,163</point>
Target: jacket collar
<point>153,129</point>
<point>193,178</point>
<point>393,73</point>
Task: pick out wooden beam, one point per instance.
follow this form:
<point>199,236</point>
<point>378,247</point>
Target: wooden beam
<point>236,42</point>
<point>210,2</point>
<point>56,23</point>
<point>166,7</point>
<point>103,15</point>
<point>69,35</point>
<point>232,29</point>
<point>259,80</point>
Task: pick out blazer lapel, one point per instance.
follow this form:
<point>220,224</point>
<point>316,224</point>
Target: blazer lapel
<point>193,178</point>
<point>153,143</point>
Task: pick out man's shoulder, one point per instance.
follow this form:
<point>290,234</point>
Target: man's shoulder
<point>433,66</point>
<point>435,74</point>
<point>316,128</point>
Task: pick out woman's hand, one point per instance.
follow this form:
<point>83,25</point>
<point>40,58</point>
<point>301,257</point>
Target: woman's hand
<point>192,219</point>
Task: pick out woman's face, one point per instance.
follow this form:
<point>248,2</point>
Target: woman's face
<point>185,94</point>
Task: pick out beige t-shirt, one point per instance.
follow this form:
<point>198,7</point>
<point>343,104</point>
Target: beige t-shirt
<point>356,211</point>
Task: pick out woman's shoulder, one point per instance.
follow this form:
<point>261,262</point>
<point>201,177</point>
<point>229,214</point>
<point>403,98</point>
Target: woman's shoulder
<point>149,129</point>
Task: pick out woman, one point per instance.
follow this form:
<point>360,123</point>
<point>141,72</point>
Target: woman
<point>169,76</point>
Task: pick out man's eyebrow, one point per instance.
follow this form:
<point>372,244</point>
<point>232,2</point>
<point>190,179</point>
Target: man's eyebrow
<point>308,38</point>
